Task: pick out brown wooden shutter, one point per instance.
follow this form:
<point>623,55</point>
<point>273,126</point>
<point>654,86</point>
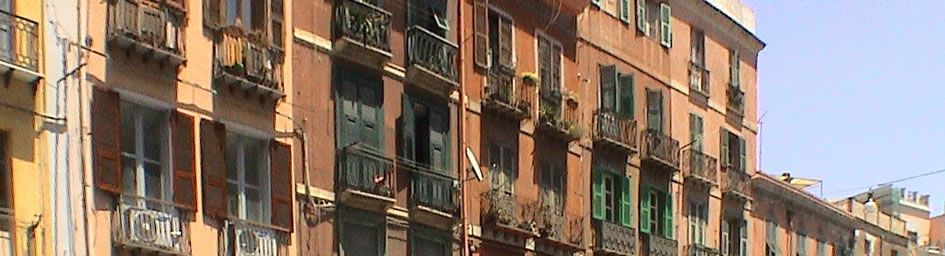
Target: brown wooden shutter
<point>185,175</point>
<point>505,42</point>
<point>276,24</point>
<point>213,13</point>
<point>106,137</point>
<point>213,167</point>
<point>481,30</point>
<point>179,4</point>
<point>280,173</point>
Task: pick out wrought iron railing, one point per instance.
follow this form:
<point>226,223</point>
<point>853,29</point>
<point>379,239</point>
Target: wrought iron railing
<point>615,238</point>
<point>561,227</point>
<point>699,78</point>
<point>432,189</point>
<point>19,41</point>
<point>247,238</point>
<point>699,164</point>
<point>661,146</point>
<point>658,245</point>
<point>502,208</point>
<point>700,250</point>
<point>248,57</point>
<point>151,225</point>
<point>616,127</point>
<point>736,100</point>
<point>7,232</point>
<point>364,23</point>
<point>364,169</point>
<point>736,181</point>
<point>562,117</point>
<point>147,22</point>
<point>432,52</point>
<point>502,88</point>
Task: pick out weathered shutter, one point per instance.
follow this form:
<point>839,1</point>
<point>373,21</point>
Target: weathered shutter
<point>597,190</point>
<point>668,227</point>
<point>505,42</point>
<point>179,4</point>
<point>369,114</point>
<point>280,173</point>
<point>625,90</point>
<point>666,29</point>
<point>555,67</point>
<point>185,175</point>
<point>734,68</point>
<point>645,208</point>
<point>725,239</point>
<point>726,162</point>
<point>106,135</point>
<point>276,21</point>
<point>742,163</point>
<point>407,128</point>
<point>654,119</point>
<point>213,168</point>
<point>544,67</point>
<point>695,131</point>
<point>625,11</point>
<point>481,30</point>
<point>438,140</point>
<point>743,235</point>
<point>213,13</point>
<point>641,16</point>
<point>608,87</point>
<point>350,119</point>
<point>625,201</point>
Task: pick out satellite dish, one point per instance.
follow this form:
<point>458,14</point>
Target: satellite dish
<point>474,163</point>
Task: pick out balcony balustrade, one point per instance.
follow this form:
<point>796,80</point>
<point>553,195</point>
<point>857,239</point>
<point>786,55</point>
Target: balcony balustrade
<point>615,130</point>
<point>431,61</point>
<point>509,213</point>
<point>19,47</point>
<point>561,230</point>
<point>432,197</point>
<point>243,60</point>
<point>559,120</point>
<point>736,184</point>
<point>507,97</point>
<point>365,178</point>
<point>700,250</point>
<point>614,239</point>
<point>147,28</point>
<point>660,246</point>
<point>660,149</point>
<point>150,225</point>
<point>246,238</point>
<point>699,167</point>
<point>363,32</point>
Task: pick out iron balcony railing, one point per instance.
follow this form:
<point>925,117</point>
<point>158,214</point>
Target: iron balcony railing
<point>19,41</point>
<point>737,183</point>
<point>662,147</point>
<point>700,165</point>
<point>7,232</point>
<point>432,189</point>
<point>563,118</point>
<point>610,125</point>
<point>699,78</point>
<point>736,100</point>
<point>364,169</point>
<point>560,227</point>
<point>248,238</point>
<point>151,225</point>
<point>432,52</point>
<point>614,238</point>
<point>658,245</point>
<point>501,88</point>
<point>246,57</point>
<point>147,22</point>
<point>700,250</point>
<point>364,23</point>
<point>508,211</point>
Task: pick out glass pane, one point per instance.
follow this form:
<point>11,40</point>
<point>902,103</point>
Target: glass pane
<point>232,157</point>
<point>232,197</point>
<point>359,240</point>
<point>127,127</point>
<point>253,204</point>
<point>152,129</point>
<point>153,181</point>
<point>251,162</point>
<point>231,12</point>
<point>128,174</point>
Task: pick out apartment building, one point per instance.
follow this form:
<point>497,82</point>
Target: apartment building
<point>878,232</point>
<point>24,131</point>
<point>186,127</point>
<point>908,205</point>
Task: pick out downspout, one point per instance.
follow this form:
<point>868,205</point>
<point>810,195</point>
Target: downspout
<point>460,129</point>
<point>310,203</point>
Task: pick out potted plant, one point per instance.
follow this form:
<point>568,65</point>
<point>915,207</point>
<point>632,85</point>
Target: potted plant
<point>531,78</point>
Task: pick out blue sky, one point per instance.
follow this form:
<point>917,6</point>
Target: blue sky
<point>854,92</point>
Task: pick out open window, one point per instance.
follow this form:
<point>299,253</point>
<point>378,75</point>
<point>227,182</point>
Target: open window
<point>144,156</point>
<point>656,212</point>
<point>612,197</point>
<point>553,177</point>
<point>425,134</point>
<point>503,168</point>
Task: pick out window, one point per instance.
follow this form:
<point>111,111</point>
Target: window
<point>698,74</point>
<point>361,113</point>
<point>429,242</point>
<point>821,248</point>
<point>625,11</point>
<point>695,132</point>
<point>771,239</point>
<point>697,47</point>
<point>656,210</point>
<point>800,244</point>
<point>733,152</point>
<point>734,237</point>
<point>656,16</point>
<point>868,247</point>
<point>734,71</point>
<point>5,174</point>
<point>552,186</point>
<point>612,197</point>
<point>425,131</point>
<point>616,93</point>
<point>549,59</point>
<point>654,110</point>
<point>362,233</point>
<point>144,152</point>
<point>431,15</point>
<point>698,222</point>
<point>247,169</point>
<point>504,168</point>
<point>500,41</point>
<point>248,14</point>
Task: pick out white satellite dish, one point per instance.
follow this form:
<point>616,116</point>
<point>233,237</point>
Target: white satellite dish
<point>474,163</point>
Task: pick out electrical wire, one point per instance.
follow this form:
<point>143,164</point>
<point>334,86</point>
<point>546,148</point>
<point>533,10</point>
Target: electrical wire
<point>889,182</point>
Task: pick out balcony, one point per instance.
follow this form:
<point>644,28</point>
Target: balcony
<point>246,238</point>
<point>660,150</point>
<point>612,238</point>
<point>148,29</point>
<point>613,130</point>
<point>736,102</point>
<point>365,178</point>
<point>700,250</point>
<point>736,184</point>
<point>560,231</point>
<point>504,97</point>
<point>698,83</point>
<point>19,48</point>
<point>509,214</point>
<point>559,121</point>
<point>150,225</point>
<point>699,167</point>
<point>432,61</point>
<point>432,198</point>
<point>244,61</point>
<point>362,33</point>
<point>654,245</point>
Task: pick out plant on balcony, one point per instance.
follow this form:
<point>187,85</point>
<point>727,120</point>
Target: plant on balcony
<point>574,130</point>
<point>531,78</point>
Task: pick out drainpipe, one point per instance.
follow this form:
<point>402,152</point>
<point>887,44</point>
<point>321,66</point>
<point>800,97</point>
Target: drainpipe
<point>460,129</point>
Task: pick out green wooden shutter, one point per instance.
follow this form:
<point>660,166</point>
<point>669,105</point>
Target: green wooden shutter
<point>608,87</point>
<point>742,163</point>
<point>695,131</point>
<point>668,227</point>
<point>734,68</point>
<point>645,208</point>
<point>439,156</point>
<point>407,128</point>
<point>625,89</point>
<point>666,29</point>
<point>641,16</point>
<point>724,152</point>
<point>654,110</point>
<point>597,190</point>
<point>625,202</point>
<point>369,115</point>
<point>625,11</point>
<point>350,119</point>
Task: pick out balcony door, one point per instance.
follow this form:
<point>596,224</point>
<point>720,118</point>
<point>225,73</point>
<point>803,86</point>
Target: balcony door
<point>6,30</point>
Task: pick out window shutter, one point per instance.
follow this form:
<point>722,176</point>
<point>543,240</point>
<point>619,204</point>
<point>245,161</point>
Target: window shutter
<point>654,111</point>
<point>597,190</point>
<point>726,239</point>
<point>481,30</point>
<point>668,227</point>
<point>350,117</point>
<point>625,11</point>
<point>280,173</point>
<point>106,135</point>
<point>608,87</point>
<point>407,128</point>
<point>742,163</point>
<point>725,149</point>
<point>735,69</point>
<point>185,175</point>
<point>505,42</point>
<point>666,38</point>
<point>641,16</point>
<point>743,238</point>
<point>213,13</point>
<point>213,168</point>
<point>179,4</point>
<point>626,207</point>
<point>645,208</point>
<point>625,105</point>
<point>555,67</point>
<point>438,154</point>
<point>276,22</point>
<point>369,115</point>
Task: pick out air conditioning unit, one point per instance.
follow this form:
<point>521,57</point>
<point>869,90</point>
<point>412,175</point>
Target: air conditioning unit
<point>153,228</point>
<point>249,241</point>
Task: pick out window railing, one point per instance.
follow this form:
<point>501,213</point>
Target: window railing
<point>364,23</point>
<point>502,88</point>
<point>7,231</point>
<point>560,227</point>
<point>615,238</point>
<point>699,164</point>
<point>510,211</point>
<point>561,117</point>
<point>700,250</point>
<point>151,225</point>
<point>432,52</point>
<point>736,182</point>
<point>247,57</point>
<point>698,78</point>
<point>246,238</point>
<point>736,100</point>
<point>19,43</point>
<point>363,169</point>
<point>613,126</point>
<point>433,190</point>
<point>661,147</point>
<point>658,245</point>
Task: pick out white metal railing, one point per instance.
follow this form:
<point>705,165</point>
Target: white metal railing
<point>245,238</point>
<point>151,225</point>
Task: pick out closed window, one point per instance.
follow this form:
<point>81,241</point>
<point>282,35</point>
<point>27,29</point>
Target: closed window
<point>361,233</point>
<point>549,72</point>
<point>361,114</point>
<point>144,151</point>
<point>429,242</point>
<point>610,198</point>
<point>504,168</point>
<point>247,171</point>
<point>698,222</point>
<point>552,186</point>
<point>654,110</point>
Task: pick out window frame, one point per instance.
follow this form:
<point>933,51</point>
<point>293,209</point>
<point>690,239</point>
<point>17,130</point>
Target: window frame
<point>510,173</point>
<point>243,135</point>
<point>553,176</point>
<point>500,14</point>
<point>373,83</point>
<point>542,35</point>
<point>656,212</point>
<point>140,160</point>
<point>351,216</point>
<point>698,222</point>
<point>610,216</point>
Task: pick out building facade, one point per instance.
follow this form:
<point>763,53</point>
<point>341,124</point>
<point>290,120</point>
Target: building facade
<point>878,232</point>
<point>907,205</point>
